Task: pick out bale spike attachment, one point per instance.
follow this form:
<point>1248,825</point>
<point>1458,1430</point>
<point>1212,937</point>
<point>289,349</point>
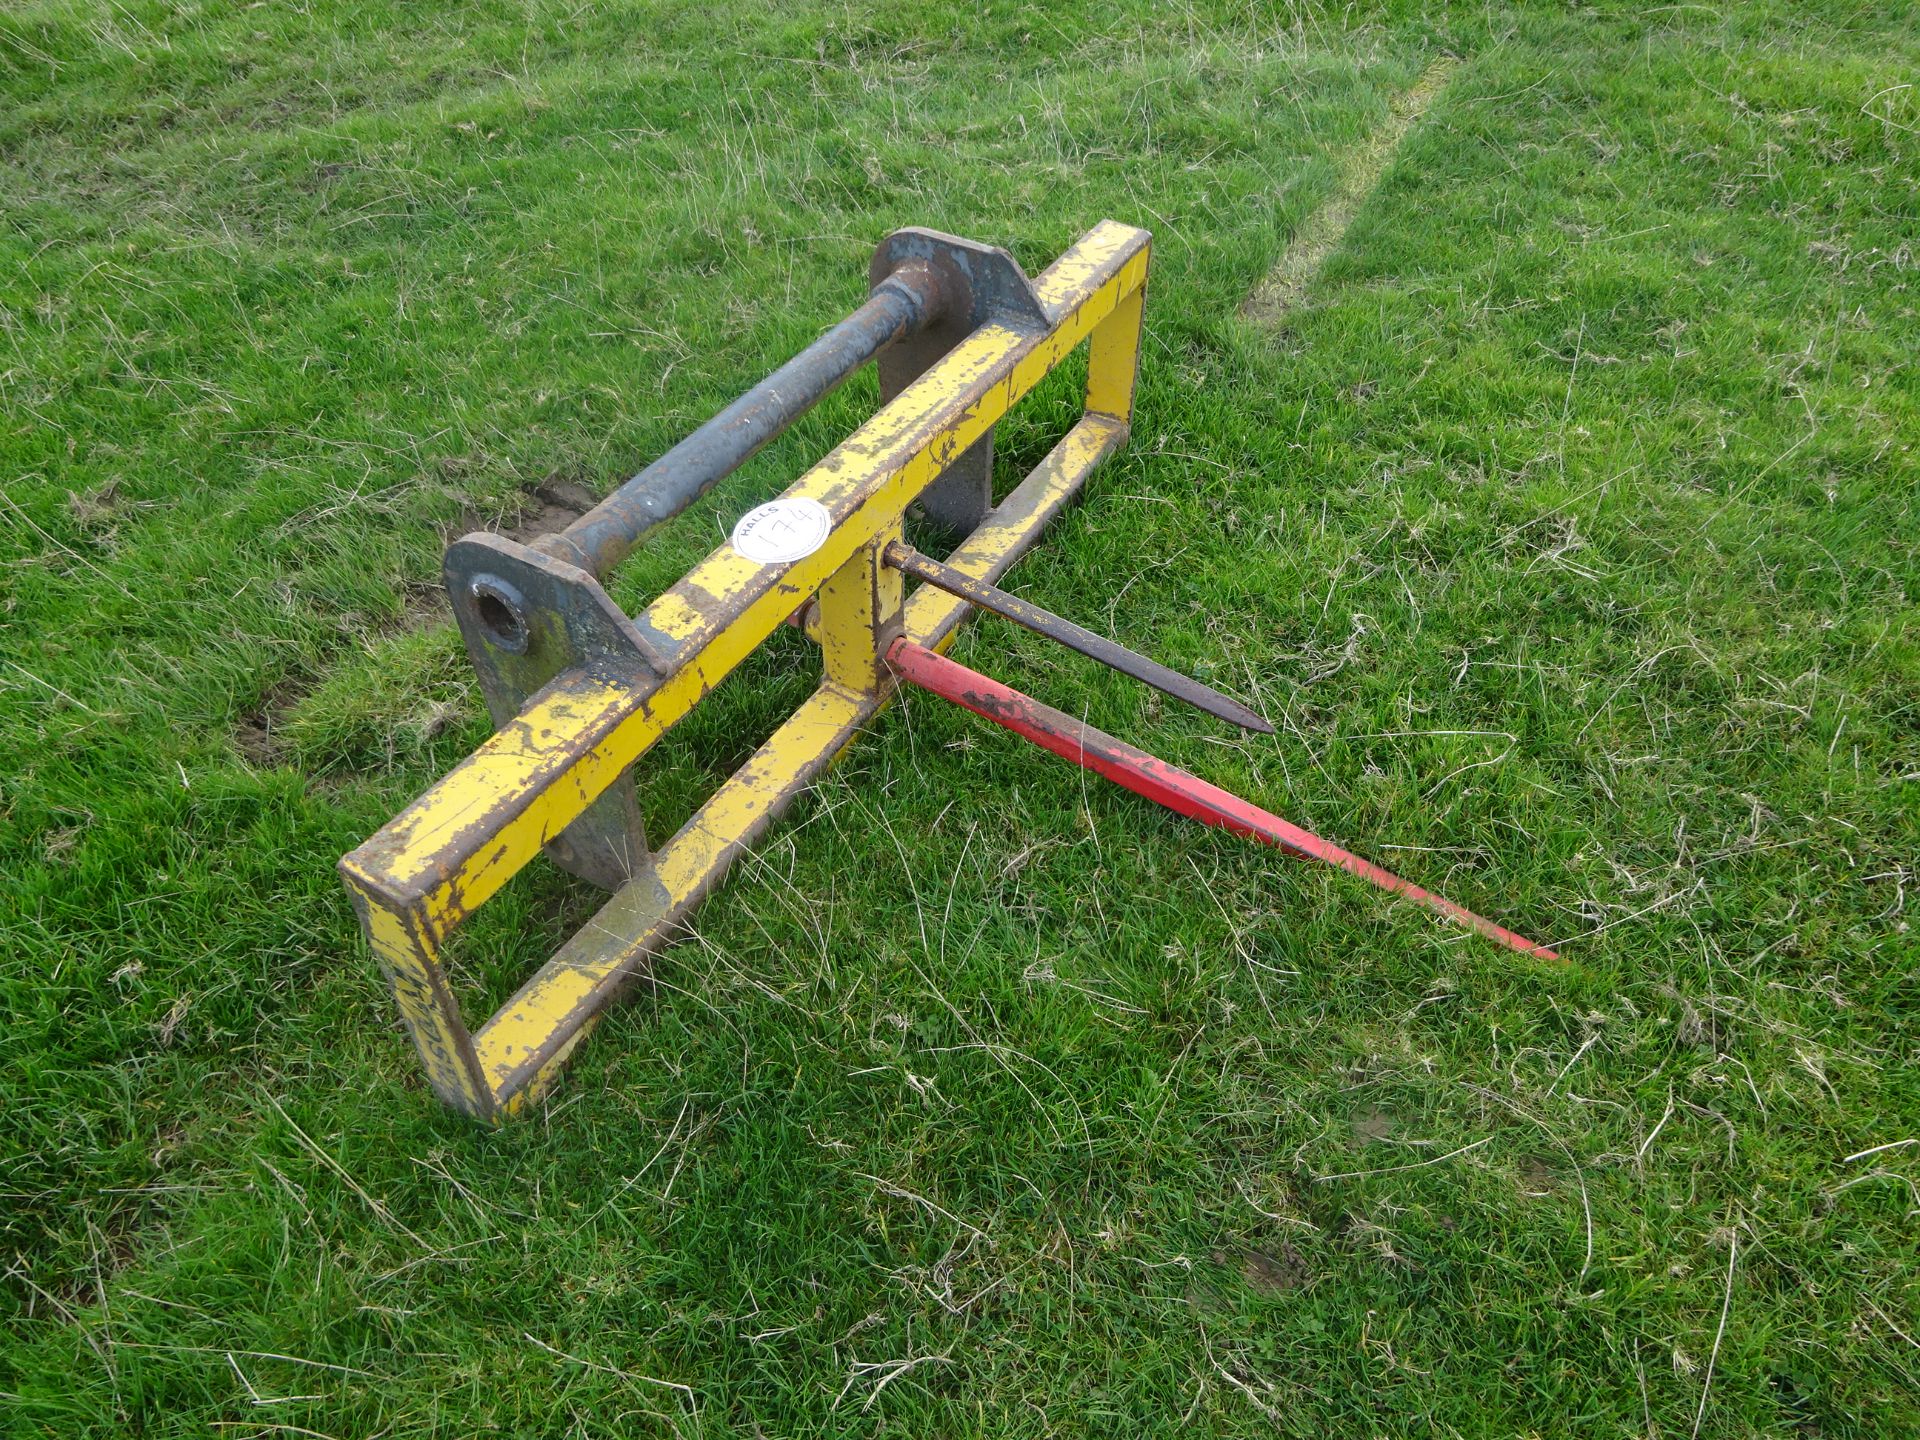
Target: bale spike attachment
<point>579,690</point>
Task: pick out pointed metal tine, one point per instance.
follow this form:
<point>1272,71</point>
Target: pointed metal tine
<point>1153,778</point>
<point>909,561</point>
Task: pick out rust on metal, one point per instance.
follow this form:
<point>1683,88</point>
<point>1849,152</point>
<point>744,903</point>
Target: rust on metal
<point>907,298</point>
<point>1147,775</point>
<point>1075,637</point>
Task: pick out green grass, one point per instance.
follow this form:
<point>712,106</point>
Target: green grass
<point>1568,531</point>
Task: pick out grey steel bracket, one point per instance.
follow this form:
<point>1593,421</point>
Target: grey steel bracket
<point>978,284</point>
<point>526,619</point>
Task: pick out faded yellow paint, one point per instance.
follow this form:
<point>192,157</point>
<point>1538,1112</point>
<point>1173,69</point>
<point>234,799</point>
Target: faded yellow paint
<point>528,756</point>
<point>427,1006</point>
<point>1078,270</point>
<point>636,919</point>
<point>1113,358</point>
<point>460,842</point>
<point>536,1086</point>
<point>675,616</point>
<point>856,606</point>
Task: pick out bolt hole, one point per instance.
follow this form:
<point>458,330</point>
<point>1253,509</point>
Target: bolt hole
<point>500,620</point>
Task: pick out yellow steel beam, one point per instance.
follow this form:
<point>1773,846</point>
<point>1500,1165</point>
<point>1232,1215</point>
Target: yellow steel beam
<point>859,607</point>
<point>408,960</point>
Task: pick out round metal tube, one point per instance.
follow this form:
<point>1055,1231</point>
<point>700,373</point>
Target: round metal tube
<point>904,558</point>
<point>900,305</point>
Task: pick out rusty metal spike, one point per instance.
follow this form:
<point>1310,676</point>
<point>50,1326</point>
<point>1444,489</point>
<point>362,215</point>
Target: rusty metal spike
<point>906,559</point>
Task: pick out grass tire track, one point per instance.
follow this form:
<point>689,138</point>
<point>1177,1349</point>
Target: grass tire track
<point>1284,287</point>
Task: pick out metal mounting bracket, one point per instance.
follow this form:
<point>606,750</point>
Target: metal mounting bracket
<point>979,284</point>
<point>528,618</point>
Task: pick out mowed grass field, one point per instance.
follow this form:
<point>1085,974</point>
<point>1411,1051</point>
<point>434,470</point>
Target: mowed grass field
<point>1557,502</point>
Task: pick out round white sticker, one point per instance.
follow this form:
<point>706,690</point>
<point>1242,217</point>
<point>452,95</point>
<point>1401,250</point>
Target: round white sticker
<point>782,530</point>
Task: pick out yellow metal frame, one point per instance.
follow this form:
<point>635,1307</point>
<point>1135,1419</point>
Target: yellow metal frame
<point>453,848</point>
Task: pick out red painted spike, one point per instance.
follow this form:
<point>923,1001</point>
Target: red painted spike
<point>1164,784</point>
